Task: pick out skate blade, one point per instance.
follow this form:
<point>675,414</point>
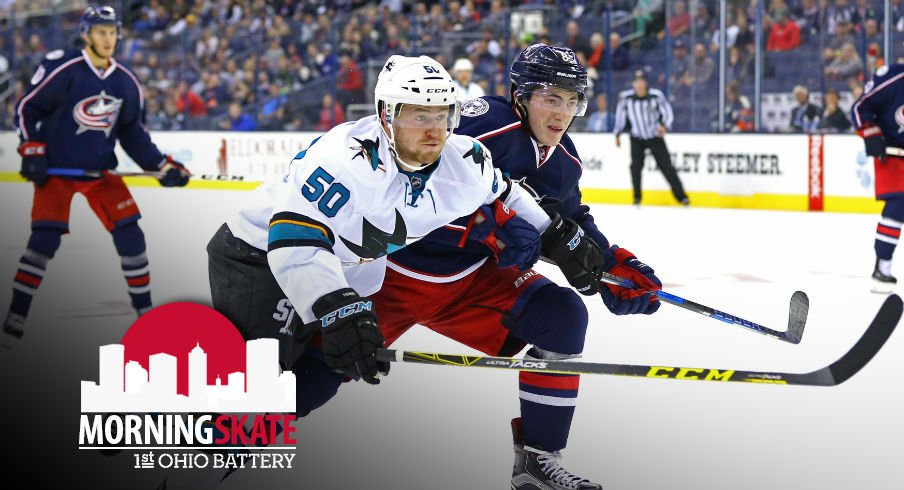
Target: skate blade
<point>882,287</point>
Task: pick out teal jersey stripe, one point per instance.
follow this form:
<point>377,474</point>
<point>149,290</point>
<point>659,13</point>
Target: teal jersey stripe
<point>289,231</point>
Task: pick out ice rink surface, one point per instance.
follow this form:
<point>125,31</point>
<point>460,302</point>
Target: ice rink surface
<point>448,428</point>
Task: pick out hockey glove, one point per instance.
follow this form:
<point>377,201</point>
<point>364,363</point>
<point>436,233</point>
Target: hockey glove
<point>873,140</point>
<point>577,256</point>
<point>350,335</point>
<point>34,161</point>
<point>173,173</point>
<point>623,301</point>
<point>514,241</point>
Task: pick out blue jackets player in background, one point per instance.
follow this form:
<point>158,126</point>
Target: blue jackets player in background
<point>77,105</point>
<point>879,118</point>
<point>461,285</point>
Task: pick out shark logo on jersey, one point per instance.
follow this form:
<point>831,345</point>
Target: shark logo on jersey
<point>369,150</point>
<point>474,107</point>
<point>375,242</point>
<point>476,153</point>
<point>97,113</point>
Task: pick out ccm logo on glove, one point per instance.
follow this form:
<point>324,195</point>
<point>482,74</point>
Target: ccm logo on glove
<point>345,312</point>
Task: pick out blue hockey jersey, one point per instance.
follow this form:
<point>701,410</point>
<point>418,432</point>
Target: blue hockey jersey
<point>551,174</point>
<point>80,111</point>
<point>882,104</point>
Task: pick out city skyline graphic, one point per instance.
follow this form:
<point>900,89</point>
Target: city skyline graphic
<point>126,386</point>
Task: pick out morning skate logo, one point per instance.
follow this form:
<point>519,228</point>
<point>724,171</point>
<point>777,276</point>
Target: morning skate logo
<point>96,113</point>
<point>183,378</point>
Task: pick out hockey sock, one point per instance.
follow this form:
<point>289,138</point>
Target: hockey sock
<point>547,407</point>
<point>888,231</point>
<point>42,245</point>
<point>554,321</point>
<point>315,383</point>
<point>130,245</point>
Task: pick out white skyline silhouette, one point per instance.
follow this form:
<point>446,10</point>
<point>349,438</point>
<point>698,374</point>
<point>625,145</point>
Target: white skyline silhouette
<point>128,387</point>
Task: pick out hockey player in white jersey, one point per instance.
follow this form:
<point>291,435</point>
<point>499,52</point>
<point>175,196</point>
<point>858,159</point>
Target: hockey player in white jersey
<point>318,237</point>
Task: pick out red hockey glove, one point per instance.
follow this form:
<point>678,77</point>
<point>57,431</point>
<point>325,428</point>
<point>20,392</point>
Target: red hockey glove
<point>513,241</point>
<point>873,140</point>
<point>34,161</point>
<point>623,301</point>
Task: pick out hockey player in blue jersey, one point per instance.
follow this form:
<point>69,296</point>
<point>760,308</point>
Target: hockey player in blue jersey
<point>457,284</point>
<point>79,103</point>
<point>879,118</point>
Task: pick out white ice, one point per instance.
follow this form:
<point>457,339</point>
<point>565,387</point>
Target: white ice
<point>443,427</point>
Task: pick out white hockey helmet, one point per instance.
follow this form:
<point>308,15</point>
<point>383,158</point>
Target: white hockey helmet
<point>407,80</point>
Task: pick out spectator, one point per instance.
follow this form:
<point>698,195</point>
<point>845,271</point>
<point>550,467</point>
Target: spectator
<point>847,64</point>
<point>702,66</point>
<point>808,18</point>
<point>805,115</point>
<point>833,120</point>
<point>680,65</point>
<point>238,120</point>
<point>649,17</point>
<point>351,81</point>
<point>621,57</point>
<point>465,88</point>
<point>188,100</point>
<point>680,20</point>
<point>574,39</point>
<point>331,114</point>
<point>600,121</point>
<point>842,11</point>
<point>738,113</point>
<point>784,35</point>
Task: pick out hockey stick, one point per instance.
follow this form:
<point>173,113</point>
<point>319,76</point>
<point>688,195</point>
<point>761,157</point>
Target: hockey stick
<point>797,314</point>
<point>80,172</point>
<point>834,374</point>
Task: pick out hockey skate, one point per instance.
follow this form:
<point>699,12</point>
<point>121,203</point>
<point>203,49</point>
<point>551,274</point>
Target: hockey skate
<point>13,329</point>
<point>882,283</point>
<point>535,469</point>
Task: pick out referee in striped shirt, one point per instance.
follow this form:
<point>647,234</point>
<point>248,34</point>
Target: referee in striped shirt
<point>647,115</point>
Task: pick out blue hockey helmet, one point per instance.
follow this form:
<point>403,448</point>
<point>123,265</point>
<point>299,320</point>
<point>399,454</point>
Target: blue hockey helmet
<point>102,15</point>
<point>541,66</point>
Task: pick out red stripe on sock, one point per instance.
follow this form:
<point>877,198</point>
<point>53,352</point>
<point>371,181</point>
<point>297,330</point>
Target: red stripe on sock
<point>547,381</point>
<point>893,232</point>
<point>28,279</point>
<point>139,281</point>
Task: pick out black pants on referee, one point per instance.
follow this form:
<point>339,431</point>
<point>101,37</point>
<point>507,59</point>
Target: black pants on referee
<point>663,161</point>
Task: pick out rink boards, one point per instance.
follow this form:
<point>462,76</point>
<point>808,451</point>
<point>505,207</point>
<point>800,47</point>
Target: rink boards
<point>753,171</point>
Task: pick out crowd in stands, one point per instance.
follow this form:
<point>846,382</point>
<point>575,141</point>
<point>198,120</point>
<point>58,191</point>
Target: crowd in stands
<point>248,65</point>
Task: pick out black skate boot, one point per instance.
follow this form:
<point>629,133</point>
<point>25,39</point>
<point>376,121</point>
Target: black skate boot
<point>13,329</point>
<point>882,284</point>
<point>535,469</point>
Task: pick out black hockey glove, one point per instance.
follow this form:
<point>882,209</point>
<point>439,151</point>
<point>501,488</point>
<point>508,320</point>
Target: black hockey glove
<point>34,161</point>
<point>174,173</point>
<point>577,256</point>
<point>873,140</point>
<point>350,335</point>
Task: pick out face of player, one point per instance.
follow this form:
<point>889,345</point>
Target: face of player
<point>101,40</point>
<point>550,112</point>
<point>420,133</point>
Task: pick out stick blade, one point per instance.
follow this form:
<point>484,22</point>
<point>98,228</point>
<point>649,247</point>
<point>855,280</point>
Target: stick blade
<point>872,340</point>
<point>797,317</point>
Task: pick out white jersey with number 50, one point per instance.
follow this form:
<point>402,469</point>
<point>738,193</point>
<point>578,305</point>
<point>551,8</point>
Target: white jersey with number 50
<point>344,204</point>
